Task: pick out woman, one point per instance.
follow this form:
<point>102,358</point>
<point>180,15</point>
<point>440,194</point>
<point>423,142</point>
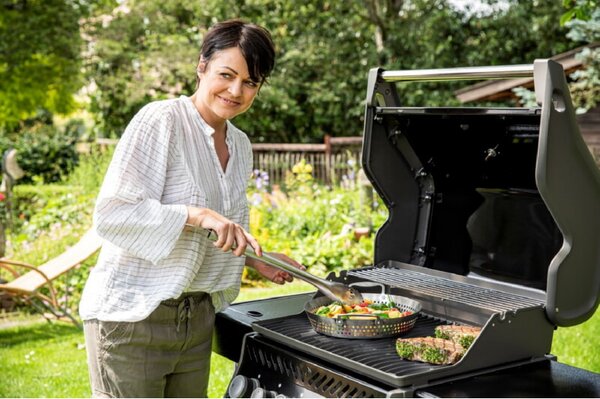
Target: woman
<point>149,304</point>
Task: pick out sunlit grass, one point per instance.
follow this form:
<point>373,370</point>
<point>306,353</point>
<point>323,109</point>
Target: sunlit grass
<point>579,345</point>
<point>39,359</point>
<point>43,360</point>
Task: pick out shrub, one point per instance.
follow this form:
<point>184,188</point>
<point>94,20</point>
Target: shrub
<point>51,217</point>
<point>46,153</point>
<point>312,223</point>
<point>90,171</point>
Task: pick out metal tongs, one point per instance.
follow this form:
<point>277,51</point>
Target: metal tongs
<point>333,290</point>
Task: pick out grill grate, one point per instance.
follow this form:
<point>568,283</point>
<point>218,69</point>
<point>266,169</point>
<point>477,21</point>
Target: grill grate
<point>448,290</point>
<point>377,360</point>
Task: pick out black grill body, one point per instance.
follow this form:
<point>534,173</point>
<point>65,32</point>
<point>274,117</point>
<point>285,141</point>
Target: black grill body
<point>490,224</point>
<point>295,375</point>
<point>295,372</point>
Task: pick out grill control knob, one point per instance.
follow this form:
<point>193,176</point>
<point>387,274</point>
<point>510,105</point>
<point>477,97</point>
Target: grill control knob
<point>241,386</point>
<point>255,383</point>
<point>262,393</point>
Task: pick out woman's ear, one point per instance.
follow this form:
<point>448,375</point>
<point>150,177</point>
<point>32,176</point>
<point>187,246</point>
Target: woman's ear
<point>201,68</point>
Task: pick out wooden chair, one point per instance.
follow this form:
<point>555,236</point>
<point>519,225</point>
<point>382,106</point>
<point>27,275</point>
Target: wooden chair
<point>26,287</point>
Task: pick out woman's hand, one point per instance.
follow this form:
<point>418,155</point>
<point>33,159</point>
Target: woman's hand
<point>271,273</point>
<point>229,234</point>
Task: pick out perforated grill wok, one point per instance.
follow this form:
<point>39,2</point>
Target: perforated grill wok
<point>365,328</point>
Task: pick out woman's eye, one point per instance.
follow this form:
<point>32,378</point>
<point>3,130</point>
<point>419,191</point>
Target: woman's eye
<point>226,75</point>
<point>251,84</point>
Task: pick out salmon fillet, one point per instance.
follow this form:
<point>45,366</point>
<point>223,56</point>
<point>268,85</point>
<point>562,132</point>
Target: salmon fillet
<point>462,335</point>
<point>429,350</point>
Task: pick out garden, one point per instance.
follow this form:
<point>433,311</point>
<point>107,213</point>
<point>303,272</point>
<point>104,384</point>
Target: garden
<point>74,72</point>
<point>309,221</point>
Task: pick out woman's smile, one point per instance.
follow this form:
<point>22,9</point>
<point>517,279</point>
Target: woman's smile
<point>229,102</point>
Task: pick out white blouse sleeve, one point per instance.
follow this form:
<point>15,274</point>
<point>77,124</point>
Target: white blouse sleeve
<point>129,212</point>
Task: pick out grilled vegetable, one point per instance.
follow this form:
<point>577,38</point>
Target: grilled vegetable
<point>429,350</point>
<point>323,310</point>
<point>380,310</point>
<point>462,335</point>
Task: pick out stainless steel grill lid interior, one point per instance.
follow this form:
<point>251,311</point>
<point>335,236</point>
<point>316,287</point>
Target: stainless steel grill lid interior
<point>507,194</point>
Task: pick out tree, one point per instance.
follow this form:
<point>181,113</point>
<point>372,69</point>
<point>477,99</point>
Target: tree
<point>138,54</point>
<point>39,58</point>
<point>149,51</point>
<point>583,19</point>
<point>146,50</point>
<point>319,84</point>
<point>518,34</point>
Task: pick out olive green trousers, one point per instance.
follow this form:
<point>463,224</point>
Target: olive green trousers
<point>165,355</point>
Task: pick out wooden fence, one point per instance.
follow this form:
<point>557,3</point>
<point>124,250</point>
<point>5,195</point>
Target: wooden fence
<point>331,160</point>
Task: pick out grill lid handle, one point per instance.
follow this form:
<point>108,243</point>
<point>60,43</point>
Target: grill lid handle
<point>465,73</point>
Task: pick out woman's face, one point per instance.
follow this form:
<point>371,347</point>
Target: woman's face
<point>225,89</point>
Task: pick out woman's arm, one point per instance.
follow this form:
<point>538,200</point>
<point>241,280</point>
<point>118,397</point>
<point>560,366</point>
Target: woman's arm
<point>271,273</point>
<point>128,211</point>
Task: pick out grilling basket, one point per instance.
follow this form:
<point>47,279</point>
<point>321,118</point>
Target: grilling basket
<point>364,326</point>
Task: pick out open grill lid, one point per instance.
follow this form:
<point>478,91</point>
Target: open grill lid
<point>509,194</point>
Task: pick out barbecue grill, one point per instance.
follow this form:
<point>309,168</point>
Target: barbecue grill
<point>490,224</point>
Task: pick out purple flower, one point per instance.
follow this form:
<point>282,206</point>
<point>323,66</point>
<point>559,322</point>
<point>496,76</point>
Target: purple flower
<point>261,179</point>
<point>256,199</point>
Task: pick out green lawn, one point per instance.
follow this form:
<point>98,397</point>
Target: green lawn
<point>48,360</point>
<point>41,359</point>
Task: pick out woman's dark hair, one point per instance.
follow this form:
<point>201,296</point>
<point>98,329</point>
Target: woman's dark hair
<point>254,42</point>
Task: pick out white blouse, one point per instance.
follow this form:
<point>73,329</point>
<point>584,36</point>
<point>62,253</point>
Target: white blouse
<point>165,160</point>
